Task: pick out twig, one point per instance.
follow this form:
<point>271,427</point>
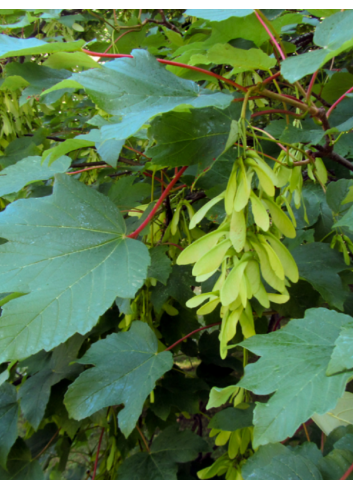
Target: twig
<point>97,454</point>
<point>158,204</point>
<point>118,39</point>
<point>87,169</point>
<point>143,439</point>
<point>191,334</point>
<point>275,111</point>
<point>47,445</point>
<point>311,84</point>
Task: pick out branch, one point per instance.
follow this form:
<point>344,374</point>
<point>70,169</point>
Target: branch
<point>158,204</point>
<point>324,153</point>
<point>191,334</point>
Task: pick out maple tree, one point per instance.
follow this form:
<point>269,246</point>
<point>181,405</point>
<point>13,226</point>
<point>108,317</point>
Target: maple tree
<point>176,248</point>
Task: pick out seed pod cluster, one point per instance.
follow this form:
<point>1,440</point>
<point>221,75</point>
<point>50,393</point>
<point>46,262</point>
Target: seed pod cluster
<point>246,248</point>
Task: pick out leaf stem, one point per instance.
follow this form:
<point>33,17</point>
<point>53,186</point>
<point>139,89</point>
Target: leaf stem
<point>311,85</point>
<point>273,39</point>
<point>191,334</point>
<point>97,454</point>
<point>347,474</point>
<point>87,169</point>
<point>158,204</point>
<point>276,111</point>
<point>143,439</point>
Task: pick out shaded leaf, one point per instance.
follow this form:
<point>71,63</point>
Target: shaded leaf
<point>232,419</point>
<point>160,267</point>
<point>122,361</point>
<point>20,465</point>
<point>169,448</point>
<point>8,420</point>
<point>319,265</point>
<point>195,137</point>
<point>35,392</point>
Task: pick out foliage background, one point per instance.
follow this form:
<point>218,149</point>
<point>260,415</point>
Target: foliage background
<point>230,129</point>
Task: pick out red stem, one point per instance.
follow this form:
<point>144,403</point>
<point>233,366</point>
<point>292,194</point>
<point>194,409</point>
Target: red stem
<point>173,244</point>
<point>158,204</point>
<point>137,152</point>
<point>87,169</point>
<point>338,101</point>
<point>191,334</point>
<point>250,98</point>
<point>269,79</point>
<point>97,455</point>
<point>151,176</point>
<point>347,474</point>
<point>271,35</point>
<point>170,63</point>
<point>274,111</point>
<point>311,84</point>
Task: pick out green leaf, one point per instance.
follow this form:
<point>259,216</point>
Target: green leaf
<point>323,12</point>
<point>161,267</point>
<point>216,15</point>
<point>347,220</point>
<point>69,61</point>
<point>120,89</point>
<point>12,46</point>
<point>276,462</point>
<point>63,148</point>
<point>35,392</point>
<point>20,465</point>
<point>240,59</point>
<point>63,251</point>
<point>30,170</point>
<point>232,419</point>
<point>335,464</point>
<point>334,34</point>
<point>319,265</point>
<point>286,466</point>
<point>39,77</point>
<point>169,448</point>
<point>293,365</point>
<point>341,415</point>
<point>195,137</point>
<point>121,361</point>
<point>342,356</point>
<point>126,194</point>
<point>8,420</point>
